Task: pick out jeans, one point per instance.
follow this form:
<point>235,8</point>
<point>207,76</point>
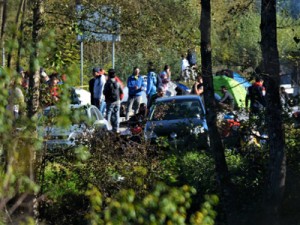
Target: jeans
<point>113,115</point>
<point>100,104</point>
<point>134,103</point>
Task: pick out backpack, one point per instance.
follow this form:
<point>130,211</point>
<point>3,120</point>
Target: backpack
<point>256,96</point>
<point>112,92</point>
<point>192,58</point>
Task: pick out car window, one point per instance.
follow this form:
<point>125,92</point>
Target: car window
<point>174,110</point>
<point>77,115</point>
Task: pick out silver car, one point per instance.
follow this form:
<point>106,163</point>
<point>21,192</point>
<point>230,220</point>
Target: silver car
<point>180,120</point>
<point>84,120</point>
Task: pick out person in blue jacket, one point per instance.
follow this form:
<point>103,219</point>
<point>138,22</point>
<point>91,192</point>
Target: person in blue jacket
<point>136,86</point>
<point>152,81</point>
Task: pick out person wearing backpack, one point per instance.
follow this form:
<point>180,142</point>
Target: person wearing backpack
<point>152,81</point>
<point>191,57</point>
<point>113,95</point>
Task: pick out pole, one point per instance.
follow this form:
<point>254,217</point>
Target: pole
<point>81,63</point>
<point>113,52</point>
<point>80,37</point>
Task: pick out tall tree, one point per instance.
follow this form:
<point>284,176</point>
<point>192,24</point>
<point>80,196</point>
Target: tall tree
<point>270,69</point>
<point>21,36</point>
<point>15,33</point>
<point>216,145</point>
<point>3,16</point>
<point>34,75</point>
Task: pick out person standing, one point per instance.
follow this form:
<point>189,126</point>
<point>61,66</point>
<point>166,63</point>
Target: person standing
<point>152,81</point>
<point>185,73</point>
<point>54,88</point>
<point>92,83</point>
<point>165,78</point>
<point>113,92</point>
<point>136,86</point>
<point>98,89</point>
<point>284,98</point>
<point>191,57</point>
<point>256,96</point>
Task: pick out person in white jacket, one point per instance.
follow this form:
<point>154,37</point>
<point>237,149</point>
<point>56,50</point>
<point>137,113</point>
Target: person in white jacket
<point>185,68</point>
<point>100,80</point>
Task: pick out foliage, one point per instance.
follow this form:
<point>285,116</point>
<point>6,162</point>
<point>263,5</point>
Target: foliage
<point>123,171</point>
<point>126,164</point>
<point>165,205</point>
<point>16,162</point>
<point>158,31</point>
<point>60,180</point>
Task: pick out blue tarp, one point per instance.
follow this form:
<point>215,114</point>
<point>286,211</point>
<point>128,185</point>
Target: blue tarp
<point>241,80</point>
<point>183,87</point>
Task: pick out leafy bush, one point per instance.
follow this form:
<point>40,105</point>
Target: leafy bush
<point>165,205</point>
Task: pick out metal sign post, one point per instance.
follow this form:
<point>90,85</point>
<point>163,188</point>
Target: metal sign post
<point>100,25</point>
<point>81,63</point>
<point>113,52</point>
<point>80,39</point>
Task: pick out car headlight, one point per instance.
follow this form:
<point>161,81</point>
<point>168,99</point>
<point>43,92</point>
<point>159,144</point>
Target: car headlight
<point>197,130</point>
<point>150,135</point>
<point>75,136</point>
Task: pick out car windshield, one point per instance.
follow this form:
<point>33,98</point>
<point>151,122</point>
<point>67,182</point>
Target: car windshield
<point>76,116</point>
<point>176,109</point>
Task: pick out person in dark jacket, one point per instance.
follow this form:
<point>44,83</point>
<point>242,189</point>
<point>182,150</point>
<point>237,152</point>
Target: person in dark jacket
<point>113,92</point>
<point>284,98</point>
<point>191,57</point>
<point>256,96</point>
<point>91,84</point>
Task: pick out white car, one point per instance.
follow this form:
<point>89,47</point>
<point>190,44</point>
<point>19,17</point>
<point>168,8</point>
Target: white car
<point>80,96</point>
<point>84,120</point>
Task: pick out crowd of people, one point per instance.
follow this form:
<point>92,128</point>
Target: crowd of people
<point>19,88</point>
<point>107,92</point>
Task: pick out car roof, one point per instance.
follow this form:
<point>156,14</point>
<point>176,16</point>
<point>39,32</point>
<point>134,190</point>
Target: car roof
<point>74,106</point>
<point>178,97</point>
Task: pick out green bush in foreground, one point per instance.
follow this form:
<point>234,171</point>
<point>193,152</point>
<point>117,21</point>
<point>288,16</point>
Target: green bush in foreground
<point>165,205</point>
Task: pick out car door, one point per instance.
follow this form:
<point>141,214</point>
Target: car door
<point>94,116</point>
<point>97,118</point>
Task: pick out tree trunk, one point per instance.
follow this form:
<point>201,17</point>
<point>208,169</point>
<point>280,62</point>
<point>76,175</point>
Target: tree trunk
<point>216,145</point>
<point>277,163</point>
<point>14,35</point>
<point>3,16</point>
<point>20,39</point>
<point>34,75</point>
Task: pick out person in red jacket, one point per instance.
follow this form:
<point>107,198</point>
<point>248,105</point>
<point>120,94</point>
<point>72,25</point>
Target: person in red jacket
<point>54,88</point>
